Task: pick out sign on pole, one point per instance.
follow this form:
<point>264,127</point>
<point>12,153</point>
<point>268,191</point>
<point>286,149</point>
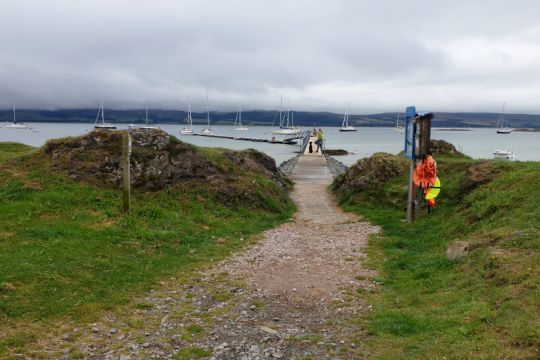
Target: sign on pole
<point>410,132</point>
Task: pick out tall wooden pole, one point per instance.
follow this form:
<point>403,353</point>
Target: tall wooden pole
<point>126,181</point>
<point>424,139</point>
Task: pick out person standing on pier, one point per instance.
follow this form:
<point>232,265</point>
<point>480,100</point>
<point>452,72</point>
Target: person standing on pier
<point>319,141</point>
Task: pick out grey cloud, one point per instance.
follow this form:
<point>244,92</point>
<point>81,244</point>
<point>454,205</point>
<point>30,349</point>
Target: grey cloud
<point>321,54</point>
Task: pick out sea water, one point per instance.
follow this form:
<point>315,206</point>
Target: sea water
<point>477,143</point>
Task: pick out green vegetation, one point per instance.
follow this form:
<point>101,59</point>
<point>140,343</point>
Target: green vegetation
<point>487,305</point>
<point>9,150</point>
<point>67,250</point>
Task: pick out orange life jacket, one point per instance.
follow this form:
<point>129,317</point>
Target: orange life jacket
<point>425,172</point>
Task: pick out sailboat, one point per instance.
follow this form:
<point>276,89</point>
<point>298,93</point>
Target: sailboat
<point>103,125</point>
<point>238,121</point>
<point>15,125</point>
<point>345,127</point>
<point>146,126</point>
<point>398,128</point>
<point>286,127</point>
<point>208,130</point>
<point>501,129</point>
<point>188,129</point>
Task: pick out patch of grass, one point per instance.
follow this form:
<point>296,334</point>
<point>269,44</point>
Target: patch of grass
<point>66,249</point>
<point>10,150</point>
<point>192,352</point>
<point>484,306</point>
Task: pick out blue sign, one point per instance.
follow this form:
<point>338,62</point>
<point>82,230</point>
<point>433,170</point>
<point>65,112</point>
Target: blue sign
<point>410,132</point>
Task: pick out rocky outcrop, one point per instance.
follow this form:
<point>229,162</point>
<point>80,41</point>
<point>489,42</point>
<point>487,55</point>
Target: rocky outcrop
<point>157,160</point>
<point>336,152</point>
<point>441,147</point>
<point>369,174</point>
<point>481,173</point>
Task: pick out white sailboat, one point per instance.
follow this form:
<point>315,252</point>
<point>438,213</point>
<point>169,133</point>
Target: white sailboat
<point>345,127</point>
<point>146,125</point>
<point>238,121</point>
<point>286,127</point>
<point>208,130</point>
<point>188,129</point>
<point>15,125</point>
<point>398,128</point>
<point>103,125</point>
<point>501,129</point>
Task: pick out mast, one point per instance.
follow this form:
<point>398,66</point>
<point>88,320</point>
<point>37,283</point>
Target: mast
<point>397,120</point>
<point>288,112</point>
<point>146,113</point>
<point>207,111</point>
<point>240,116</point>
<point>501,118</point>
<point>14,116</point>
<point>102,113</point>
<point>189,112</point>
<point>280,111</point>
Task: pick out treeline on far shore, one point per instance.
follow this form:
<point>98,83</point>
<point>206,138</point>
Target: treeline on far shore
<point>260,117</point>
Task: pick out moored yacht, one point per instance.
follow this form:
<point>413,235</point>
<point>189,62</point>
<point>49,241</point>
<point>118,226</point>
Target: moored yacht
<point>345,127</point>
<point>103,125</point>
<point>16,125</point>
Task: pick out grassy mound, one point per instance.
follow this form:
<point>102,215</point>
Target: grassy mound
<point>66,249</point>
<point>486,305</point>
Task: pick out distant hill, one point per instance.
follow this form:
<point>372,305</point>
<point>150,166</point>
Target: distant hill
<point>258,117</point>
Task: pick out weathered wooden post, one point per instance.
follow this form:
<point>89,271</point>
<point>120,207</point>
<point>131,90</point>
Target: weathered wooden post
<point>126,180</point>
<point>417,140</point>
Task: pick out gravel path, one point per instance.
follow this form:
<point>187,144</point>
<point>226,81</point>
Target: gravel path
<point>291,295</point>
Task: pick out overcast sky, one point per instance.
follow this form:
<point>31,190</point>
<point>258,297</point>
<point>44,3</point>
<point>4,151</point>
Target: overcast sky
<point>376,56</point>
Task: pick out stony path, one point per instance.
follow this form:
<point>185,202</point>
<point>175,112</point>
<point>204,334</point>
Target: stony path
<point>288,296</point>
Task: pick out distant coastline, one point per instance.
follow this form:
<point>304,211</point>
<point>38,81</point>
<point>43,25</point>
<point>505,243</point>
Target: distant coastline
<point>443,120</point>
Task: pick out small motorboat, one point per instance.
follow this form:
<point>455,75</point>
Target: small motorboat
<point>501,154</point>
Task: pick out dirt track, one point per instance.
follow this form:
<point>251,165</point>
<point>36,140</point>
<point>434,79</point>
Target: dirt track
<point>288,296</point>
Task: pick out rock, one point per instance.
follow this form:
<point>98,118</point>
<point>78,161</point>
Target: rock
<point>336,152</point>
<point>125,357</point>
<point>370,174</point>
<point>480,174</point>
<point>441,147</point>
<point>112,331</point>
<point>95,329</point>
<point>268,330</point>
<point>457,250</point>
<point>157,160</point>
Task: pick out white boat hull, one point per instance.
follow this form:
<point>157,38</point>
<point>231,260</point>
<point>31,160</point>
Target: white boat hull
<point>347,129</point>
<point>186,132</point>
<point>504,155</point>
<point>504,131</point>
<point>242,129</point>
<point>207,132</point>
<point>286,131</point>
<point>17,126</point>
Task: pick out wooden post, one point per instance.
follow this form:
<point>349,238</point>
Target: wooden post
<point>126,181</point>
<point>424,138</point>
<point>411,196</point>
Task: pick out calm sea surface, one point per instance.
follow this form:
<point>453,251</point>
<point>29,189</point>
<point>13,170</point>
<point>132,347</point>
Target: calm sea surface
<point>477,143</point>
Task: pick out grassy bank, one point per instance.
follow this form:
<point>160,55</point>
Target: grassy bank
<point>67,250</point>
<point>487,305</point>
